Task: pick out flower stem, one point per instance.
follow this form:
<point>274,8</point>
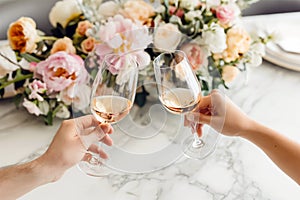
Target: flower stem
<point>19,78</point>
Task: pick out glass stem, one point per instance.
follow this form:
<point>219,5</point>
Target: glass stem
<point>198,143</point>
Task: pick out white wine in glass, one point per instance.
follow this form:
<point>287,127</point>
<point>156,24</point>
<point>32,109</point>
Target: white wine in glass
<point>112,97</point>
<point>180,92</point>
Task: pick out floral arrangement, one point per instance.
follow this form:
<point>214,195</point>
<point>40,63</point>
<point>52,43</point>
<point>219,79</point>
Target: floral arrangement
<point>44,70</point>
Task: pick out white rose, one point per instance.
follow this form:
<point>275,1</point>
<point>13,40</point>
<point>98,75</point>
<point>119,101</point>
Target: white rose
<point>6,66</point>
<point>44,107</point>
<point>108,9</point>
<point>189,4</point>
<point>31,107</point>
<point>63,11</point>
<point>63,112</point>
<point>214,38</point>
<point>167,37</point>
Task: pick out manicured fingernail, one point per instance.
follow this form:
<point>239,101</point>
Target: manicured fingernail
<point>190,117</point>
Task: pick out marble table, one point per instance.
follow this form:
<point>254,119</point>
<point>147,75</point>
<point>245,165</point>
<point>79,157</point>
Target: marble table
<point>237,169</point>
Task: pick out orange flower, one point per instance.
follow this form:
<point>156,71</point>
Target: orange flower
<point>82,27</point>
<point>63,44</point>
<point>88,45</point>
<point>22,35</point>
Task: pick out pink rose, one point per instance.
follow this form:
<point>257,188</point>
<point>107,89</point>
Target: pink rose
<point>37,87</point>
<point>195,54</point>
<point>225,14</point>
<point>60,70</point>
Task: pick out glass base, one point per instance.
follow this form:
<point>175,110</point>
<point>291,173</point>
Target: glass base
<point>200,149</point>
<point>93,166</point>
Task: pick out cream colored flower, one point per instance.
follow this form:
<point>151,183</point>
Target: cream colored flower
<point>22,35</point>
<point>138,10</point>
<point>6,66</point>
<point>238,43</point>
<point>167,37</point>
<point>64,11</point>
<point>229,73</point>
<point>63,44</point>
<point>108,9</point>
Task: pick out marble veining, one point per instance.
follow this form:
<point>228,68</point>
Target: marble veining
<point>237,170</point>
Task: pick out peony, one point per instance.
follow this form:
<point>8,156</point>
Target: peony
<point>196,55</point>
<point>6,66</point>
<point>225,14</point>
<point>167,37</point>
<point>88,45</point>
<point>138,10</point>
<point>22,35</point>
<point>82,27</point>
<point>63,112</point>
<point>120,35</point>
<point>214,38</point>
<point>63,44</point>
<point>60,70</point>
<point>31,107</point>
<point>64,11</point>
<point>108,9</point>
<point>37,87</point>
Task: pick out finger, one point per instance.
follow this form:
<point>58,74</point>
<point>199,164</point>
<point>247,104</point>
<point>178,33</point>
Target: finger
<point>199,129</point>
<point>107,140</point>
<point>102,153</point>
<point>186,122</point>
<point>86,121</point>
<point>198,118</point>
<point>98,150</point>
<point>106,128</point>
<point>204,103</point>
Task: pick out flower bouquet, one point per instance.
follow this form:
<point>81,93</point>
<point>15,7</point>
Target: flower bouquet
<point>45,70</point>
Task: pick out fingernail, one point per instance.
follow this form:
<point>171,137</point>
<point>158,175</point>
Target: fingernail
<point>190,117</point>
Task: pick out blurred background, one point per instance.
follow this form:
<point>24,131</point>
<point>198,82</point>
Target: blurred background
<point>11,10</point>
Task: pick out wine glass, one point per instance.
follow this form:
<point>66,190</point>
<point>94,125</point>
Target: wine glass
<point>112,96</point>
<point>180,92</point>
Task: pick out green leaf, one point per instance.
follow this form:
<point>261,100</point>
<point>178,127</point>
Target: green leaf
<point>30,58</point>
<point>18,99</point>
<point>48,119</point>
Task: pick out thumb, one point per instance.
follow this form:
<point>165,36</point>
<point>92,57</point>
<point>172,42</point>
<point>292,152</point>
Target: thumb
<point>198,117</point>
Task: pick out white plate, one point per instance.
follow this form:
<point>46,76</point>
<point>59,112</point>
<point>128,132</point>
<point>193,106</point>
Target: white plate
<point>276,55</point>
<point>287,55</point>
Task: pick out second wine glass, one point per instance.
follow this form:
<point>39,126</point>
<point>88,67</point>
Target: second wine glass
<point>112,97</point>
<point>180,92</point>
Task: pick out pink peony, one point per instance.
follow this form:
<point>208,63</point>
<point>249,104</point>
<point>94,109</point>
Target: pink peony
<point>120,36</point>
<point>195,54</point>
<point>60,70</point>
<point>225,14</point>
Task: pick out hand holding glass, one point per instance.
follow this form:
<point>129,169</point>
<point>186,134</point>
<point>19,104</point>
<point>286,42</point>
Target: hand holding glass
<point>180,92</point>
<point>112,98</point>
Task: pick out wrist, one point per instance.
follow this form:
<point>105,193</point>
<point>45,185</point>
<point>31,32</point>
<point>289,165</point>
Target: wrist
<point>49,172</point>
<point>251,128</point>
